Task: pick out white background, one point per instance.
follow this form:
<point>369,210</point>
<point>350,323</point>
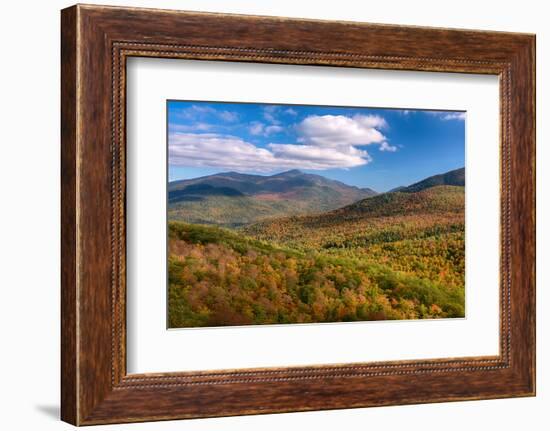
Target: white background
<point>29,227</point>
<point>151,348</point>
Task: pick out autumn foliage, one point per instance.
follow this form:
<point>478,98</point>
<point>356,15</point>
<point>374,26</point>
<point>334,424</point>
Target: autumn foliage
<point>392,256</point>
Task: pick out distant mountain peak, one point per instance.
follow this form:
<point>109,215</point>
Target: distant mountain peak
<point>231,174</point>
<point>456,177</point>
<point>233,198</point>
<point>290,172</point>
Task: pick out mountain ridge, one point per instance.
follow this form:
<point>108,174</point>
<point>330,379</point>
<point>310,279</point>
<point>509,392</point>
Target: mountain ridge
<point>455,177</point>
<point>261,181</point>
<point>434,202</point>
<point>232,198</point>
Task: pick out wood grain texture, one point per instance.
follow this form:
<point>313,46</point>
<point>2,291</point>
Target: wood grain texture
<point>96,41</point>
<point>69,397</point>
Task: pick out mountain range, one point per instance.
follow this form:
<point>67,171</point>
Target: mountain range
<point>233,199</point>
<point>304,249</point>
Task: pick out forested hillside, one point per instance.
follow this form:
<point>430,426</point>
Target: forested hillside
<point>218,277</point>
<point>396,255</point>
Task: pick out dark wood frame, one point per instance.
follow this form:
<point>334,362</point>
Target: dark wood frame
<point>96,41</point>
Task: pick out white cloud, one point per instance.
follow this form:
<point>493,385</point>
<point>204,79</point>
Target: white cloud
<point>461,116</point>
<point>270,114</point>
<point>202,127</point>
<point>211,149</point>
<point>231,152</point>
<point>322,157</point>
<point>196,112</point>
<point>228,116</point>
<point>257,128</point>
<point>387,147</point>
<point>273,129</point>
<point>290,111</point>
<point>371,121</point>
<point>323,142</point>
<point>339,130</point>
<point>446,115</point>
<point>201,109</point>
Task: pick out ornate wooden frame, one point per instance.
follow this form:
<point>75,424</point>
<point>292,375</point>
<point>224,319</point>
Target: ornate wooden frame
<point>96,41</point>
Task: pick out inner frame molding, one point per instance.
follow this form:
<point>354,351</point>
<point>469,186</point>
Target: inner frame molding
<point>96,42</point>
<point>121,52</point>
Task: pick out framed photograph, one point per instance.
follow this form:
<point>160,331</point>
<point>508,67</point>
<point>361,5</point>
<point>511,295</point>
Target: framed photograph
<point>263,215</point>
<point>292,235</point>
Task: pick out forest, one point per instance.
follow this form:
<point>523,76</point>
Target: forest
<point>392,256</point>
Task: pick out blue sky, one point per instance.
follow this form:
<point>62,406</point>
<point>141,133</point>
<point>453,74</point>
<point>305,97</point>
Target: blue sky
<point>365,147</point>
